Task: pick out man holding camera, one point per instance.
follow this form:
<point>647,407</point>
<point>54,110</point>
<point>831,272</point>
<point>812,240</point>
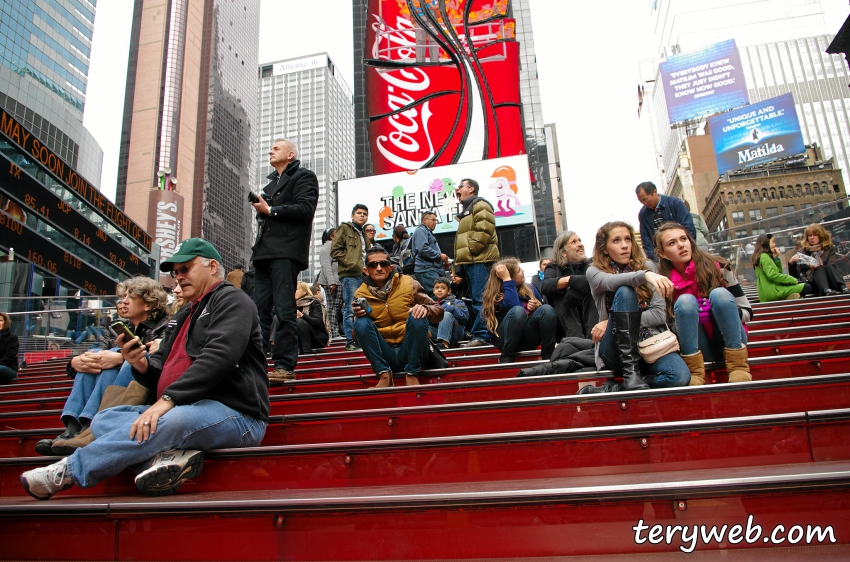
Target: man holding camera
<point>393,315</point>
<point>285,210</point>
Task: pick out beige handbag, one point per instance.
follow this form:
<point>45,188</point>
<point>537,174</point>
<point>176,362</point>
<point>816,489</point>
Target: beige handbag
<point>654,348</point>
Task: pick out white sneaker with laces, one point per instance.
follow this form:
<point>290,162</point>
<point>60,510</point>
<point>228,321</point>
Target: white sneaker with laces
<point>41,483</point>
<point>169,470</point>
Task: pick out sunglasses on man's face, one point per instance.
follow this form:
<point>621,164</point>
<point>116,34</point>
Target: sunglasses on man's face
<point>374,264</point>
<point>182,269</point>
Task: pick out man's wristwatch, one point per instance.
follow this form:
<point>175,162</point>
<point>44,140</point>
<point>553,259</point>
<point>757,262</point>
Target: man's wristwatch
<point>272,211</point>
<point>167,398</point>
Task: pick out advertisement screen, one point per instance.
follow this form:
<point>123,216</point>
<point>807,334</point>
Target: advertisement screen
<point>704,82</point>
<point>756,134</point>
<point>402,197</point>
<point>443,83</point>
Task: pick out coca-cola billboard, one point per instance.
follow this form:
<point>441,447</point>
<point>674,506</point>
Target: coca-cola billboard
<point>443,83</point>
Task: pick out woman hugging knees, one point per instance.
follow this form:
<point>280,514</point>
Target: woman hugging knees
<point>709,307</point>
<point>629,296</point>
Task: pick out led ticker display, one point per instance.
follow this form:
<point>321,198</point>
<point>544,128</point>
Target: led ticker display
<point>19,135</point>
<point>704,82</point>
<point>28,192</point>
<point>40,251</point>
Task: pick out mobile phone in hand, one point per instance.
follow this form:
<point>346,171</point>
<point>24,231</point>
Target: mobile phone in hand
<point>121,328</point>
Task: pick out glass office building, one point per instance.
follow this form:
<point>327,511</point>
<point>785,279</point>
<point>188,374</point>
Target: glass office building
<point>306,100</point>
<point>189,119</point>
<point>45,48</point>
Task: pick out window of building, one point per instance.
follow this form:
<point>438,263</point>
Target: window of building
<point>741,233</point>
<point>755,214</point>
<point>771,212</point>
<point>788,209</point>
<point>805,206</point>
<point>738,217</point>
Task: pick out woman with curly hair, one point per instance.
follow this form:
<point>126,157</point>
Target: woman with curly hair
<point>514,313</point>
<point>708,305</point>
<point>102,377</point>
<point>629,296</point>
<point>820,272</point>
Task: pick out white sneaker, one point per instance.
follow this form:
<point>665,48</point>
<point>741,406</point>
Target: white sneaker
<point>168,471</point>
<point>41,483</point>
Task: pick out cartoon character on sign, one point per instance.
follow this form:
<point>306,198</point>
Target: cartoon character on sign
<point>384,216</point>
<point>504,184</point>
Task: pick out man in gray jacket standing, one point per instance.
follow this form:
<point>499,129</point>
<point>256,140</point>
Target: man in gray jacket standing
<point>429,261</point>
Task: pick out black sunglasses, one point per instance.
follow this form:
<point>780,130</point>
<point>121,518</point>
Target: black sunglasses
<point>370,230</point>
<point>374,264</point>
<point>182,269</point>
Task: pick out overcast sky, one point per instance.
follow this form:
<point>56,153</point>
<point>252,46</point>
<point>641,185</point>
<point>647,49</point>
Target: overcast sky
<point>587,54</point>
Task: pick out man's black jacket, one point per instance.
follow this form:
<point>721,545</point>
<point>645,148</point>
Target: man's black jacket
<point>287,232</point>
<point>224,342</point>
<point>574,304</point>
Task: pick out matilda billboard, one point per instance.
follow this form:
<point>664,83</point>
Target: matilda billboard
<point>756,134</point>
<point>402,197</point>
<point>443,83</point>
<point>704,82</point>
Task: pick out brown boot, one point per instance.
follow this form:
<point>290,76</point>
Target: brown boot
<point>281,375</point>
<point>385,380</point>
<point>134,395</point>
<point>66,447</point>
<point>411,380</point>
<point>696,366</point>
<point>736,365</point>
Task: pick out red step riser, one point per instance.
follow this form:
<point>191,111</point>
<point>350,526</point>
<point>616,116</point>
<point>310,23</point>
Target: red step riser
<point>780,444</point>
<point>486,532</point>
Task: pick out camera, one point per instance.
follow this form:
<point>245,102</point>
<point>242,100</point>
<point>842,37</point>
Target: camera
<point>362,304</point>
<point>254,198</point>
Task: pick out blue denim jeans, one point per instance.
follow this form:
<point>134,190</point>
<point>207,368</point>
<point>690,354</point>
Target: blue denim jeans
<point>274,292</point>
<point>727,328</point>
<point>519,331</point>
<point>427,278</point>
<point>476,278</point>
<point>349,285</point>
<point>9,374</point>
<point>88,389</point>
<point>204,425</point>
<point>383,357</point>
<point>449,329</point>
<point>668,371</point>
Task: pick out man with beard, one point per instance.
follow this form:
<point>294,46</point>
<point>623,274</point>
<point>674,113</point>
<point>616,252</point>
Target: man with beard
<point>566,287</point>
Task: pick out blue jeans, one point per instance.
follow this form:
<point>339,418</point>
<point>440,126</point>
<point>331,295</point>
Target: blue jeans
<point>9,374</point>
<point>727,332</point>
<point>449,329</point>
<point>383,357</point>
<point>668,371</point>
<point>274,292</point>
<point>519,331</point>
<point>80,336</point>
<point>88,389</point>
<point>427,278</point>
<point>477,275</point>
<point>204,425</point>
<point>349,285</point>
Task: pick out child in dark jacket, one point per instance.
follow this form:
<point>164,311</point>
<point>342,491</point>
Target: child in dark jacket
<point>451,327</point>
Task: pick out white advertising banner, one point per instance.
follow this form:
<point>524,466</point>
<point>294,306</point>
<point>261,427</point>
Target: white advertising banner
<point>402,197</point>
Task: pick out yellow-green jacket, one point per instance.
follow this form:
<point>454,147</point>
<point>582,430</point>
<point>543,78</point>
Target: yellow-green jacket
<point>390,316</point>
<point>476,240</point>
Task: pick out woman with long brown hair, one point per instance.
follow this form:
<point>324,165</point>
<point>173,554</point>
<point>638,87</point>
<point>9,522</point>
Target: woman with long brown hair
<point>515,313</point>
<point>820,272</point>
<point>629,296</point>
<point>773,285</point>
<point>708,305</point>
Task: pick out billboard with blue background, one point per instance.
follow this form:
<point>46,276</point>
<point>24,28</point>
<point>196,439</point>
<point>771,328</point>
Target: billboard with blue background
<point>704,82</point>
<point>756,134</point>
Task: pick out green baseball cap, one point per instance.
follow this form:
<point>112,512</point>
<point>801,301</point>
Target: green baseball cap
<point>190,249</point>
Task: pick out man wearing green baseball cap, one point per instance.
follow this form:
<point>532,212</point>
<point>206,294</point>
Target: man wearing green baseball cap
<point>210,380</point>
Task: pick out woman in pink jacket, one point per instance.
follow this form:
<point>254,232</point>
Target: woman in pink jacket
<point>708,306</point>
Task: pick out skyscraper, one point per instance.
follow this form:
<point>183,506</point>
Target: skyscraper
<point>428,46</point>
<point>189,122</point>
<point>782,46</point>
<point>44,65</point>
<point>306,100</point>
